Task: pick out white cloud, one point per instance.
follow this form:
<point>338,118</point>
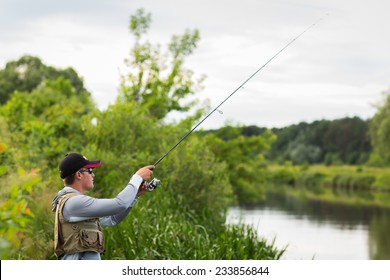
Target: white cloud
<point>338,68</point>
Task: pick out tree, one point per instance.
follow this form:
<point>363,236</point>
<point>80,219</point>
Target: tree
<point>380,132</point>
<point>28,72</point>
<point>344,140</point>
<point>347,139</point>
<point>48,121</point>
<point>244,157</point>
<point>158,81</point>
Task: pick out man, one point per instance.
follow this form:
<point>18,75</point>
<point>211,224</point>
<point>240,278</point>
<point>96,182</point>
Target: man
<point>79,218</point>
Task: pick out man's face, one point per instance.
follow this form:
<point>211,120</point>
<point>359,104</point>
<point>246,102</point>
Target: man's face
<point>87,177</point>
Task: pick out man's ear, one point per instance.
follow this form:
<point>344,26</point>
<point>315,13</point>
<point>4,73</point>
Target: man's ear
<point>77,175</point>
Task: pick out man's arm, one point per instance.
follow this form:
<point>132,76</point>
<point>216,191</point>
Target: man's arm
<point>116,219</point>
<point>82,207</point>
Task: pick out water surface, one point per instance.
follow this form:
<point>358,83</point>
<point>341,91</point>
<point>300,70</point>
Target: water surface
<point>319,230</point>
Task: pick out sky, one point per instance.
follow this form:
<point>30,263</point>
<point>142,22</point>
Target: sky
<point>339,68</point>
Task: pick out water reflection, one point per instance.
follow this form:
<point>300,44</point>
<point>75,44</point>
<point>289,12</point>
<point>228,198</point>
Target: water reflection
<point>319,230</point>
<point>379,241</point>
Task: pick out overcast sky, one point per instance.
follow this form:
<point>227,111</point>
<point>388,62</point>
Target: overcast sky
<point>339,68</point>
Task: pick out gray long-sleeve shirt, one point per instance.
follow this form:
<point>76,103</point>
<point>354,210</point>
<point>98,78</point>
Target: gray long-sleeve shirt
<point>109,211</point>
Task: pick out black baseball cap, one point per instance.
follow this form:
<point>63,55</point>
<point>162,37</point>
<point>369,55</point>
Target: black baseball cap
<point>73,162</point>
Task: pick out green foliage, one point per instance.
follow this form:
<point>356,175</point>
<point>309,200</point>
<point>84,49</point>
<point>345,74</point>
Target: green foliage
<point>380,133</point>
<point>336,177</point>
<point>348,139</point>
<point>174,236</point>
<point>342,141</point>
<point>284,176</point>
<point>244,158</point>
<point>206,190</point>
<point>16,215</point>
<point>43,121</point>
<point>139,23</point>
<point>158,81</point>
<point>302,153</point>
<point>28,73</point>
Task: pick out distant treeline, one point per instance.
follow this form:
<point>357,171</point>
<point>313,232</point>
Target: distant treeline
<point>341,141</point>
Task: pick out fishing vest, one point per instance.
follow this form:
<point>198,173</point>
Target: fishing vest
<point>75,237</point>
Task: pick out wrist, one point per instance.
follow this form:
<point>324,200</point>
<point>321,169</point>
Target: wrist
<point>136,180</point>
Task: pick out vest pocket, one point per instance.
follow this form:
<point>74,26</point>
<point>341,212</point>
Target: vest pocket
<point>91,239</point>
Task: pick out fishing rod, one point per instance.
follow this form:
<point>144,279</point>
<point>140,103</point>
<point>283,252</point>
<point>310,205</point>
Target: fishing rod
<point>238,88</point>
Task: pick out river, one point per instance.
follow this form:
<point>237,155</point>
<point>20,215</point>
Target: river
<point>319,230</point>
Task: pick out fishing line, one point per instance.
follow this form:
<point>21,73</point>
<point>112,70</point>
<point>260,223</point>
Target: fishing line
<point>238,88</point>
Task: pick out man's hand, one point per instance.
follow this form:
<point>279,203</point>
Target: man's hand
<point>146,172</point>
<point>142,189</point>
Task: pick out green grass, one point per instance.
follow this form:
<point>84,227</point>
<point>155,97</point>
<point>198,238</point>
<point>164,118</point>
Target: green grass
<point>156,235</point>
<point>362,185</point>
<point>343,176</point>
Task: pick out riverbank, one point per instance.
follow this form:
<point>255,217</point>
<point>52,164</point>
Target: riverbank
<point>370,186</point>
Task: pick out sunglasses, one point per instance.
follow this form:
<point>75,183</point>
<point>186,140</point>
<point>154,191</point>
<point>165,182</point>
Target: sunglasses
<point>89,170</point>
